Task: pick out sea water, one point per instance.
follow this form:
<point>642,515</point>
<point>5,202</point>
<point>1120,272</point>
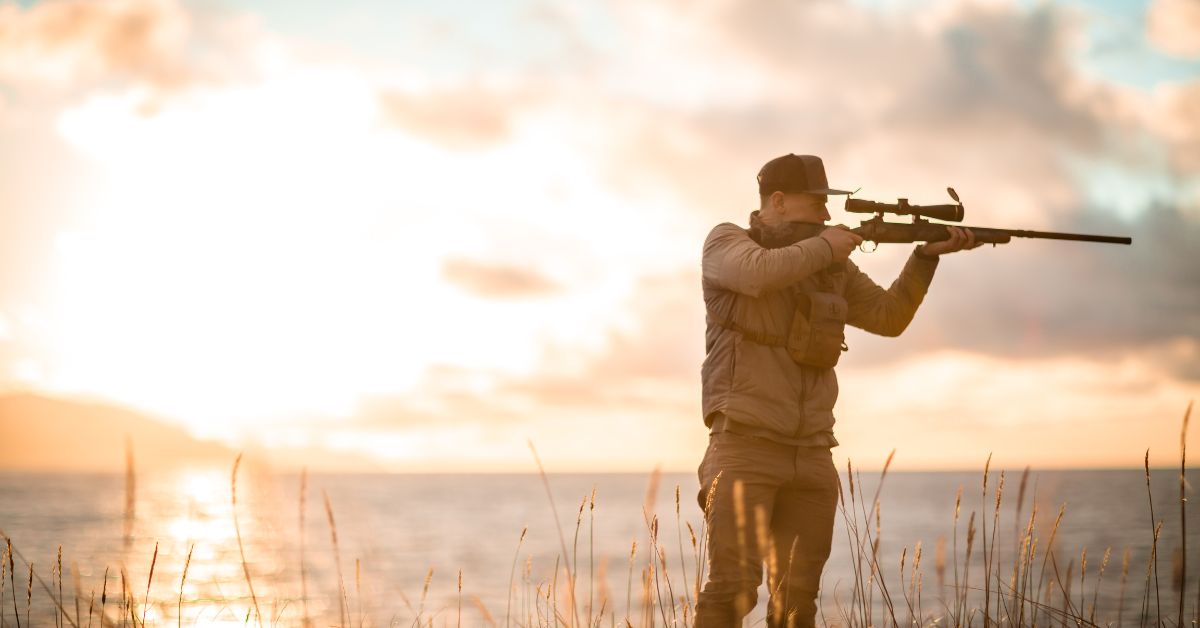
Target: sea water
<point>387,549</point>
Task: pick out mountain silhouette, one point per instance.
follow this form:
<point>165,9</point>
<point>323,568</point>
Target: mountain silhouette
<point>39,433</point>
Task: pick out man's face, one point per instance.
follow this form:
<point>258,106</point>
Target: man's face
<point>795,207</point>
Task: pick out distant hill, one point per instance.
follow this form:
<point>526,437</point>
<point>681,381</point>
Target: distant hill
<point>48,434</point>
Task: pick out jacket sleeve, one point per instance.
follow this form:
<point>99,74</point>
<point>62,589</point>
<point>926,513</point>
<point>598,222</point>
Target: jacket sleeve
<point>888,312</point>
<point>732,260</point>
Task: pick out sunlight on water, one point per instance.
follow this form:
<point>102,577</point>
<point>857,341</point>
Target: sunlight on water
<point>207,522</point>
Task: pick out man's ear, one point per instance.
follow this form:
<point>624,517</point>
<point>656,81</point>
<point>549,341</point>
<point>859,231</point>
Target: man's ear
<point>775,202</point>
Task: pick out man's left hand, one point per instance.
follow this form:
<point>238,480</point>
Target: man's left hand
<point>961,239</point>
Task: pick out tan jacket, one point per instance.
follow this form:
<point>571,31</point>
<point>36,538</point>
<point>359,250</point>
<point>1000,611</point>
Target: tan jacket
<point>759,385</point>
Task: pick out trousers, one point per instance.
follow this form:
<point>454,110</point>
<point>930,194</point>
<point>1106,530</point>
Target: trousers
<point>765,502</point>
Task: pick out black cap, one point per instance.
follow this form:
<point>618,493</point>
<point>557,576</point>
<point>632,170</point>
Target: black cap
<point>795,173</point>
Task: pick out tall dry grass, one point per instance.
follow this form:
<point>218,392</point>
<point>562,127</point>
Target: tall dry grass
<point>1001,579</point>
<point>238,532</point>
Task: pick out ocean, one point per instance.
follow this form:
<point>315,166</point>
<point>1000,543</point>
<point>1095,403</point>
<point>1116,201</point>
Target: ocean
<point>384,550</point>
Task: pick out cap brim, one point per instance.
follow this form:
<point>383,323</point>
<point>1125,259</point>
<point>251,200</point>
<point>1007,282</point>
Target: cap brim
<point>827,192</point>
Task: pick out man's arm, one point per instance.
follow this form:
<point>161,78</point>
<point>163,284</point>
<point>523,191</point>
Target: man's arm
<point>888,312</point>
<point>734,261</point>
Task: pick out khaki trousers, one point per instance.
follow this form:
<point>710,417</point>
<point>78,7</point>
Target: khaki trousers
<point>773,503</point>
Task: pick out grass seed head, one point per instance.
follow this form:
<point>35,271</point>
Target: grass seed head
<point>1021,488</point>
<point>986,467</point>
<point>999,490</point>
<point>850,475</point>
<point>712,493</point>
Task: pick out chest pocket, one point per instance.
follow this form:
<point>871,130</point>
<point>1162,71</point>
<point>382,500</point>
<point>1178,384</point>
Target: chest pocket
<point>817,336</point>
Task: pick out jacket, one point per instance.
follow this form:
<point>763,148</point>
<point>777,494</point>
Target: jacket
<point>758,385</point>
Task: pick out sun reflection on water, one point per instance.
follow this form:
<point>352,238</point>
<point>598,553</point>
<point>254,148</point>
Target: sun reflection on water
<point>191,511</point>
<point>208,520</point>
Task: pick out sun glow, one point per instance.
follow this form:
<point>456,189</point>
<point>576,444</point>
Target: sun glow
<point>286,228</point>
<point>230,272</point>
<point>233,270</point>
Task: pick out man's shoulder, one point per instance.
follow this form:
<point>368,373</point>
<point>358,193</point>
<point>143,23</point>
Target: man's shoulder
<point>727,227</point>
<point>726,230</point>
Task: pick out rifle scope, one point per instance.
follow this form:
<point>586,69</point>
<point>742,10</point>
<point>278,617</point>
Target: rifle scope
<point>951,213</point>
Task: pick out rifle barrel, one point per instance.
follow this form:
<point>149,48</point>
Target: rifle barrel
<point>1055,235</point>
<point>878,230</point>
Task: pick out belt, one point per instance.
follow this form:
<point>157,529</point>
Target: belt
<point>722,423</point>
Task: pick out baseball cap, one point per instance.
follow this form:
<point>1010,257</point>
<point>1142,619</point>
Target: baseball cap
<point>795,173</point>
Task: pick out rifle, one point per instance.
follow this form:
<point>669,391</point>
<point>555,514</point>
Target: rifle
<point>879,231</point>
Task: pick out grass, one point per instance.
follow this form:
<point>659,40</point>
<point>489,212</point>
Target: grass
<point>998,579</point>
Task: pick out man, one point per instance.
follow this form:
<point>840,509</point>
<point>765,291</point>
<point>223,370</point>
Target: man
<point>776,307</point>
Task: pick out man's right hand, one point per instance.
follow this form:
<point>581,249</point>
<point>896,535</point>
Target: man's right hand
<point>842,241</point>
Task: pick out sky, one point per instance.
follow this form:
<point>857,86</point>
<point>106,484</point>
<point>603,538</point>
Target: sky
<point>419,236</point>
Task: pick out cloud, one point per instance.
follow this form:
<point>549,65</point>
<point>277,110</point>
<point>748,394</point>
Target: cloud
<point>649,360</point>
<point>956,66</point>
<point>1038,299</point>
<point>1174,26</point>
<point>971,95</point>
<point>989,99</point>
<point>952,409</point>
<point>470,419</point>
<point>461,118</point>
<point>665,339</point>
<point>648,364</point>
<point>1177,120</point>
<point>69,44</point>
<point>444,404</point>
<point>497,281</point>
<point>55,55</point>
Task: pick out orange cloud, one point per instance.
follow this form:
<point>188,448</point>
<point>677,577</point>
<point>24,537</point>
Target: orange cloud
<point>1174,26</point>
<point>74,44</point>
<point>1179,122</point>
<point>497,281</point>
<point>950,409</point>
<point>665,340</point>
<point>72,40</point>
<point>462,118</point>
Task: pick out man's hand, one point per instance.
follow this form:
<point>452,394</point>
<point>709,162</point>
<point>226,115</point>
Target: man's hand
<point>842,241</point>
<point>961,239</point>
